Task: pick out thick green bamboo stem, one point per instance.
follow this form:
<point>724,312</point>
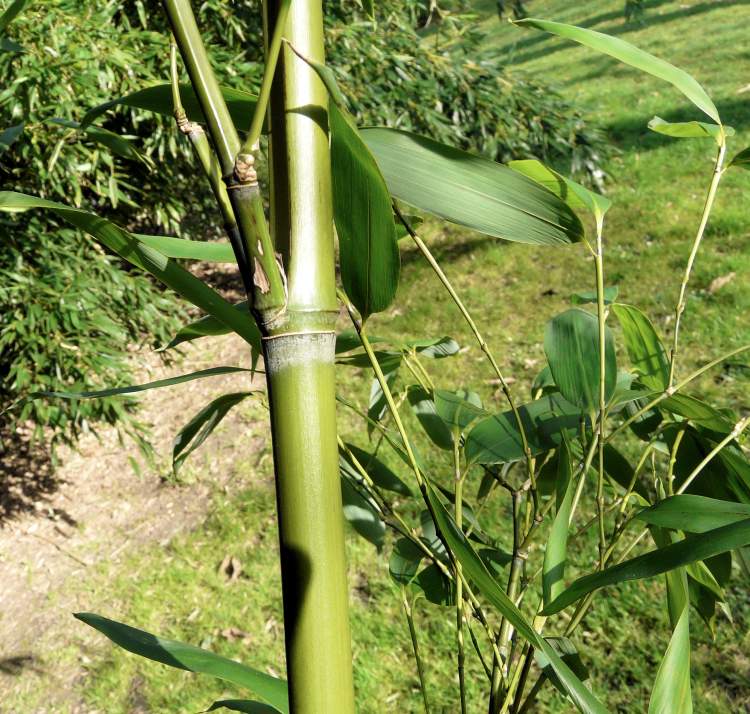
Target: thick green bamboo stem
<point>299,350</point>
<point>300,374</point>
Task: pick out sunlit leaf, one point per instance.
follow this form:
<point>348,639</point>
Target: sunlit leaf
<point>201,426</point>
<point>633,56</point>
<point>671,692</point>
<point>128,247</point>
<point>697,547</point>
<point>470,190</point>
<point>571,343</point>
<point>193,659</point>
<point>690,129</point>
<point>158,99</point>
<point>645,349</point>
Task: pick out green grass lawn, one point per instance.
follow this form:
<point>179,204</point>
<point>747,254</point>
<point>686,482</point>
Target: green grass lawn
<point>657,186</point>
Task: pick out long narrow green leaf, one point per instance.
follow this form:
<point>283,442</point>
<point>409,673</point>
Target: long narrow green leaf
<point>200,427</point>
<point>158,99</point>
<point>633,56</point>
<point>470,190</point>
<point>694,514</point>
<point>189,249</point>
<point>571,343</point>
<point>574,194</point>
<point>556,552</point>
<point>9,136</point>
<point>671,693</point>
<point>243,705</point>
<point>205,326</point>
<point>128,247</point>
<point>477,572</point>
<point>118,145</point>
<point>497,440</point>
<point>369,255</point>
<point>193,659</point>
<point>645,349</point>
<point>656,562</point>
<point>690,129</point>
<point>12,12</point>
<point>158,384</point>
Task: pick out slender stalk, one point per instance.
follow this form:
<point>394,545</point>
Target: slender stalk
<point>599,263</point>
<point>415,646</point>
<point>479,338</point>
<point>458,493</point>
<point>741,425</point>
<point>212,170</point>
<point>272,56</point>
<point>268,292</point>
<point>681,302</point>
<point>676,388</point>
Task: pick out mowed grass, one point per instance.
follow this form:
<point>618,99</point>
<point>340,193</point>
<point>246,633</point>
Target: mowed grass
<point>657,186</point>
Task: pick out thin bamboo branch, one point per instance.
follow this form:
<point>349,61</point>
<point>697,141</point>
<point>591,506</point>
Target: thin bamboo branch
<point>681,302</point>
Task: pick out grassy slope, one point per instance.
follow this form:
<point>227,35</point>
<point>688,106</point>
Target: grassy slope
<point>657,190</point>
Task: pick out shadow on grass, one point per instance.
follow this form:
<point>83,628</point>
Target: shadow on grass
<point>538,46</point>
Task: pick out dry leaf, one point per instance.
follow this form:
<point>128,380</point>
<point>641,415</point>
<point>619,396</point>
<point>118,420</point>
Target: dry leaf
<point>718,283</point>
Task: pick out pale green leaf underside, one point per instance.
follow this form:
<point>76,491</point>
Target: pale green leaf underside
<point>470,190</point>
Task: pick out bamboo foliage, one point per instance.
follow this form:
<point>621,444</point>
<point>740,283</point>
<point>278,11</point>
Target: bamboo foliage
<point>554,455</point>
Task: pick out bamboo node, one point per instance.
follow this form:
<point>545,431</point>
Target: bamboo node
<point>244,169</point>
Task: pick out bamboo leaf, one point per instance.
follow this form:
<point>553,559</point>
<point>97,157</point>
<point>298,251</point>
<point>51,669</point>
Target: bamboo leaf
<point>656,562</point>
<point>7,45</point>
<point>556,552</point>
<point>671,693</point>
<point>158,384</point>
<point>118,145</point>
<point>9,136</point>
<point>128,247</point>
<point>690,129</point>
<point>200,427</point>
<point>645,349</point>
<point>477,573</point>
<point>698,412</point>
<point>193,659</point>
<point>158,99</point>
<point>571,343</point>
<point>424,409</point>
<point>742,159</point>
<point>205,326</point>
<point>633,56</point>
<point>362,209</point>
<point>497,440</point>
<point>243,705</point>
<point>587,297</point>
<point>694,514</point>
<point>470,190</point>
<point>369,256</point>
<point>12,12</point>
<point>380,474</point>
<point>404,561</point>
<point>458,409</point>
<point>437,348</point>
<point>189,249</point>
<point>574,194</point>
<point>362,514</point>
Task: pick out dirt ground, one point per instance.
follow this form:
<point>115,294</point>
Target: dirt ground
<point>58,524</point>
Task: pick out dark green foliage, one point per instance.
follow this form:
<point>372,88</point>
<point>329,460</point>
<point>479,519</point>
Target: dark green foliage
<point>76,59</point>
<point>57,332</point>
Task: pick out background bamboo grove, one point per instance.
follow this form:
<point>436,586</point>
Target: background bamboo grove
<point>616,442</point>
